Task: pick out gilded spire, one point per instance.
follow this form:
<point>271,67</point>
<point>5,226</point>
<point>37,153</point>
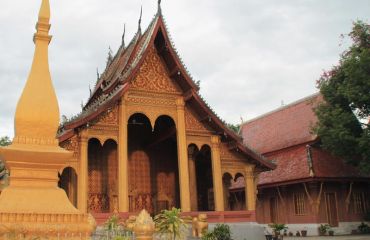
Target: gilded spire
<point>45,11</point>
<point>37,113</point>
<point>43,24</point>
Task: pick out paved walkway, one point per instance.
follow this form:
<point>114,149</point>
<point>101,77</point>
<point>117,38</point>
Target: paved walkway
<point>348,237</point>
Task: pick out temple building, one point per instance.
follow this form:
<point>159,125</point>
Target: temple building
<point>309,185</point>
<point>147,139</point>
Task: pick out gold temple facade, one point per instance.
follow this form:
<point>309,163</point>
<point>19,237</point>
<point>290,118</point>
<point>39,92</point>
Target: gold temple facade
<point>147,140</point>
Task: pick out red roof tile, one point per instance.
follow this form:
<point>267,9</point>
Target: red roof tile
<point>283,135</point>
<point>327,165</point>
<point>291,165</point>
<point>287,126</point>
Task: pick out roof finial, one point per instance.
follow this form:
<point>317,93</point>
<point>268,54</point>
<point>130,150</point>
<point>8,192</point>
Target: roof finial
<point>123,35</point>
<point>44,13</point>
<point>159,7</point>
<point>97,74</point>
<point>141,15</point>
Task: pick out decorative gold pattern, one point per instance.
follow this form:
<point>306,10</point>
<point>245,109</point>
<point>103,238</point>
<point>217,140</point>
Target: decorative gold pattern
<point>192,123</point>
<point>109,117</point>
<point>54,226</point>
<point>151,101</point>
<point>153,75</point>
<point>72,145</point>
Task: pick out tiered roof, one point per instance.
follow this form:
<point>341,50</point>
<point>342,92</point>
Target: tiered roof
<point>122,69</point>
<point>285,135</point>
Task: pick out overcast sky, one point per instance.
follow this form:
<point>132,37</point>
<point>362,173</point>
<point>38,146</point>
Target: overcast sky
<point>249,55</point>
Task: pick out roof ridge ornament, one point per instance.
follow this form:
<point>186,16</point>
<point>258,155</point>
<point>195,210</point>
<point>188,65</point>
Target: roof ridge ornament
<point>123,35</point>
<point>141,15</point>
<point>159,7</point>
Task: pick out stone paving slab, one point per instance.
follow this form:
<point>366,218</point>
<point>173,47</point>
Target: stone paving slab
<point>347,237</point>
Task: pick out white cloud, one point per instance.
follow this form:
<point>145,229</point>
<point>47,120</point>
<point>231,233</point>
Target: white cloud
<point>249,55</point>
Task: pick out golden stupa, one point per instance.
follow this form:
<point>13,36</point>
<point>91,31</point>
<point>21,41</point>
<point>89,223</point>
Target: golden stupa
<point>33,205</point>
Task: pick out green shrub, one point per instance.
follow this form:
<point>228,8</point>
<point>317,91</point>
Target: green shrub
<point>208,236</point>
<point>277,227</point>
<point>364,228</point>
<point>222,232</point>
<point>170,222</point>
<point>323,228</point>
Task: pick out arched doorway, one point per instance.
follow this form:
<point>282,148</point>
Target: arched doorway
<point>102,182</point>
<point>153,164</point>
<point>204,176</point>
<point>68,182</point>
<point>227,180</point>
<point>237,200</point>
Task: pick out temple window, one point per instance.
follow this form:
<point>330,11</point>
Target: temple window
<point>359,200</point>
<point>299,204</point>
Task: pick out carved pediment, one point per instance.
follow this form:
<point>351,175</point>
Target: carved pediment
<point>72,145</point>
<point>109,117</point>
<point>192,123</point>
<point>153,75</point>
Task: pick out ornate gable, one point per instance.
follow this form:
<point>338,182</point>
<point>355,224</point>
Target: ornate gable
<point>192,123</point>
<point>153,75</point>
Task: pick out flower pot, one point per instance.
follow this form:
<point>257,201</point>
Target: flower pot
<point>331,233</point>
<point>304,233</point>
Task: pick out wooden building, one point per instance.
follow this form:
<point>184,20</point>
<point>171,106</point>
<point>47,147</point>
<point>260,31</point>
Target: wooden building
<point>146,139</point>
<point>309,186</point>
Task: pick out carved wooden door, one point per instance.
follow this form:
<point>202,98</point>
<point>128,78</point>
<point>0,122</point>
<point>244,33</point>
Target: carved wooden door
<point>331,209</point>
<point>274,210</point>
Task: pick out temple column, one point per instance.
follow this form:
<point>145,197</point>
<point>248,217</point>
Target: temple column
<point>217,174</point>
<point>83,175</point>
<point>193,180</point>
<point>182,156</point>
<point>250,188</point>
<point>123,201</point>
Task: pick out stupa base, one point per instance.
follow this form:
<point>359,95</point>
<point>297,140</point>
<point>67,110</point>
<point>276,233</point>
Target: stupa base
<point>41,213</point>
<point>46,226</point>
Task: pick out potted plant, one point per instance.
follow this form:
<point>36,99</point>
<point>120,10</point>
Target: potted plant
<point>297,234</point>
<point>331,232</point>
<point>169,222</point>
<point>363,228</point>
<point>304,232</point>
<point>290,234</point>
<point>323,228</point>
<point>277,228</point>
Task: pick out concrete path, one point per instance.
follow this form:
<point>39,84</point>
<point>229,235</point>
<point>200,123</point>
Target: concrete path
<point>348,237</point>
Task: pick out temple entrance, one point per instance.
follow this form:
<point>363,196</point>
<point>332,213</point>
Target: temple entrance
<point>102,182</point>
<point>153,164</point>
<point>203,169</point>
<point>331,209</point>
<point>68,182</point>
<point>234,192</point>
<point>274,210</point>
<point>227,180</point>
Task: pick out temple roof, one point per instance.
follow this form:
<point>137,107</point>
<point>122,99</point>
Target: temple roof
<point>284,127</point>
<point>122,69</point>
<point>284,135</point>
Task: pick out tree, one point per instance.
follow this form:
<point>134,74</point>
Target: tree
<point>343,117</point>
<point>5,141</point>
<point>233,127</point>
